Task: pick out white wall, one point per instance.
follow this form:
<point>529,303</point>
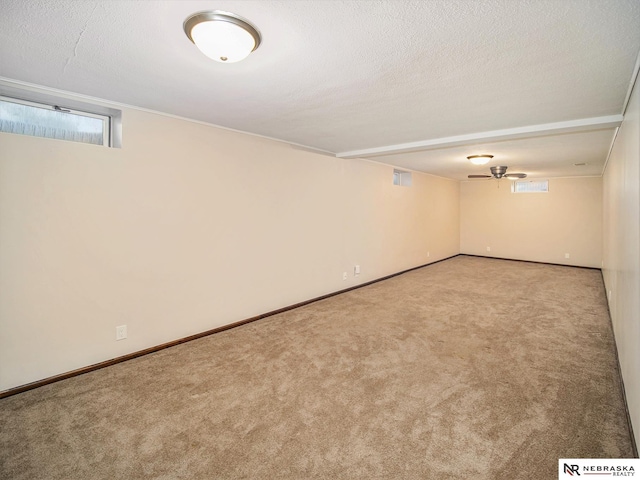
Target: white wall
<point>540,227</point>
<point>621,250</point>
<point>186,228</point>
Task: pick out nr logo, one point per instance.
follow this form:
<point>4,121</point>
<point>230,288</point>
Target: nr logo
<point>571,470</point>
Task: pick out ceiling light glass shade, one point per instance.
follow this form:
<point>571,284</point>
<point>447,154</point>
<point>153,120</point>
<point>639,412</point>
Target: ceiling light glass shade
<point>480,159</point>
<point>222,36</point>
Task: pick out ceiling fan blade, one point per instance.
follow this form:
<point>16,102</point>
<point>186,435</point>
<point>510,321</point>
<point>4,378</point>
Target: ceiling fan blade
<point>479,176</point>
<point>516,175</point>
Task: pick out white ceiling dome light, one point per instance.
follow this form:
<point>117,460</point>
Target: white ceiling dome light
<point>479,159</point>
<point>222,36</point>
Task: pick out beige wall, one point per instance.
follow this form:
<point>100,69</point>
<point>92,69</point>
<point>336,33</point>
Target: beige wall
<point>186,228</point>
<point>621,269</point>
<point>540,227</point>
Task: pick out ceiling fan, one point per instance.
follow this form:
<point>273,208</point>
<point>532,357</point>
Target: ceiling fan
<point>499,172</point>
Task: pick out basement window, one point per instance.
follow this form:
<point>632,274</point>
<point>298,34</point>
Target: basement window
<point>54,121</point>
<point>530,186</point>
<point>401,178</point>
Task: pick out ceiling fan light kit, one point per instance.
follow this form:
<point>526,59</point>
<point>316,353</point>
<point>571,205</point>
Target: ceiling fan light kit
<point>479,159</point>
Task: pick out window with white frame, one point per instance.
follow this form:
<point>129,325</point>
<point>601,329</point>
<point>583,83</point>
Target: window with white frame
<point>401,178</point>
<point>54,121</point>
<point>530,186</point>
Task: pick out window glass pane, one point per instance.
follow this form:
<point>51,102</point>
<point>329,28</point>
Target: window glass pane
<point>531,186</point>
<point>44,122</point>
<point>401,178</point>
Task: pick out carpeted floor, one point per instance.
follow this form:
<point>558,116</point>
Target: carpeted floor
<point>468,368</point>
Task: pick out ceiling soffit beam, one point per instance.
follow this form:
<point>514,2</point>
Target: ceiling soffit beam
<point>572,126</point>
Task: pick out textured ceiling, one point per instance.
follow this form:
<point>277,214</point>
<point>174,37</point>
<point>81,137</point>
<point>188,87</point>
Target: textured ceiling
<point>344,76</point>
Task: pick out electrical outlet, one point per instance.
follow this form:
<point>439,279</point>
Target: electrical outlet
<point>488,249</point>
<point>121,332</point>
<point>566,255</point>
<point>356,270</point>
<point>428,254</point>
<point>344,275</point>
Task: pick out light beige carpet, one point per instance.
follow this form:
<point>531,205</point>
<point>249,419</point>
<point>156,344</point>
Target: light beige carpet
<point>468,368</point>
